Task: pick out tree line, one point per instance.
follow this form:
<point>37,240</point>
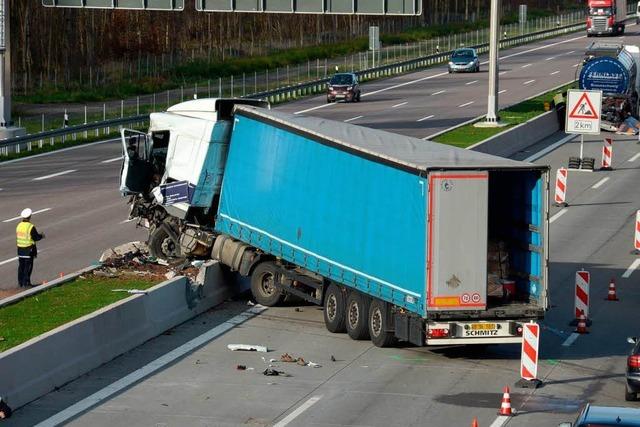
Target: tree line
<point>56,44</point>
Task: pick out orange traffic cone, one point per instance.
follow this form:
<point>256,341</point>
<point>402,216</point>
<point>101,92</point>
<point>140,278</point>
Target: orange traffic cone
<point>582,325</point>
<point>612,296</point>
<point>505,407</point>
<point>474,423</point>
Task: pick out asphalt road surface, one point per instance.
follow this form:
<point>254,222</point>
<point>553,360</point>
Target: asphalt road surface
<point>364,386</point>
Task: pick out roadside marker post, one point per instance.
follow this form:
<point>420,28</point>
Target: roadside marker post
<point>561,187</point>
<point>636,239</point>
<point>581,306</point>
<point>529,356</point>
<point>607,154</point>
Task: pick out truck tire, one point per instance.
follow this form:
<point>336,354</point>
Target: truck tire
<point>263,285</point>
<point>378,328</point>
<point>334,307</point>
<point>357,315</point>
<point>162,245</point>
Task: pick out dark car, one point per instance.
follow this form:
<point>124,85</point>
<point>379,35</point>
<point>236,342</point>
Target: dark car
<point>633,371</point>
<point>343,86</point>
<point>464,60</point>
<point>603,416</point>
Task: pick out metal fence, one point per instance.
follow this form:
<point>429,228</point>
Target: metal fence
<point>286,83</point>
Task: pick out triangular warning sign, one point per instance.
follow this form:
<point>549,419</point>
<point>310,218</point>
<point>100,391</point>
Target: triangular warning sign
<point>583,109</point>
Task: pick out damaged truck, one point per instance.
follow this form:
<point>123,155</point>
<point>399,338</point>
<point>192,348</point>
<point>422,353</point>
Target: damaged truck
<point>395,237</point>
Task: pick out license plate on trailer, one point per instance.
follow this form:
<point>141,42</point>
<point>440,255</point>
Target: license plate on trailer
<point>483,326</point>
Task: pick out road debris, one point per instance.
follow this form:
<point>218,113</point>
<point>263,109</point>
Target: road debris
<point>298,360</point>
<point>130,291</point>
<point>247,347</point>
<point>241,367</point>
<point>270,372</point>
<point>333,359</point>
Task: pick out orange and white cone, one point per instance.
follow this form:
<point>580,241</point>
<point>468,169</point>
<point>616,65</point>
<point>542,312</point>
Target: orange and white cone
<point>505,407</point>
<point>612,296</point>
<point>474,423</point>
<point>582,325</point>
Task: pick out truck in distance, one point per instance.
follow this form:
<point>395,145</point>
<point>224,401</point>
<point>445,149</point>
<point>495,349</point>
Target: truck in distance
<point>397,238</point>
<point>606,17</point>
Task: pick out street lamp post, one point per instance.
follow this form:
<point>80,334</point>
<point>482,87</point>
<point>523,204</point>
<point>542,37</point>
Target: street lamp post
<point>7,130</point>
<point>492,119</point>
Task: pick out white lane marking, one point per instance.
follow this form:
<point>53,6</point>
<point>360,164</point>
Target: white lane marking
<point>32,213</point>
<point>575,65</point>
<point>527,65</point>
<point>599,183</point>
<point>62,150</point>
<point>299,410</point>
<point>438,92</point>
<point>634,158</point>
<point>549,149</point>
<point>112,160</point>
<point>465,104</point>
<point>501,73</point>
<point>150,368</point>
<point>570,52</point>
<point>554,73</point>
<point>528,82</point>
<point>353,118</point>
<point>558,215</point>
<point>400,105</point>
<point>425,118</point>
<point>471,82</point>
<point>502,91</point>
<point>550,58</point>
<point>433,76</point>
<point>53,175</point>
<point>631,269</point>
<point>7,261</point>
<point>570,339</point>
<point>499,422</point>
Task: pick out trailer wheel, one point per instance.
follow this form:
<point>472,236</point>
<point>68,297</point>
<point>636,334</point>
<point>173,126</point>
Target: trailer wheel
<point>378,328</point>
<point>357,315</point>
<point>162,245</point>
<point>334,307</point>
<point>263,285</point>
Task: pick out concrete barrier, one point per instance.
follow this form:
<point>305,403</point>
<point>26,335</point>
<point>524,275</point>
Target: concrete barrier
<point>43,363</point>
<point>518,138</point>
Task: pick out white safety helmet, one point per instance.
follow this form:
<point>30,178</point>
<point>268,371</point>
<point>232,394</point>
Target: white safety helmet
<point>26,213</point>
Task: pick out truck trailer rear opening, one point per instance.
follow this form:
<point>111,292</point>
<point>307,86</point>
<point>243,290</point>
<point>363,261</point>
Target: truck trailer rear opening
<point>396,237</point>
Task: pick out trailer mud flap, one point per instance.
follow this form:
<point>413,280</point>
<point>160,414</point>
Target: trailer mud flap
<point>410,329</point>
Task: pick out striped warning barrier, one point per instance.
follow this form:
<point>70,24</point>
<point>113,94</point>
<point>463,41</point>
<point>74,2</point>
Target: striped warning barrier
<point>529,354</point>
<point>582,294</point>
<point>607,154</point>
<point>636,240</point>
<point>561,187</point>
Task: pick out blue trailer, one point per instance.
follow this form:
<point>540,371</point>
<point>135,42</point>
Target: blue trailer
<point>396,237</point>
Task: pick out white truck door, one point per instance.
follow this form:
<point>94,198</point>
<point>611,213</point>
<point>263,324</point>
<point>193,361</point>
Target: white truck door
<point>457,240</point>
<point>137,170</point>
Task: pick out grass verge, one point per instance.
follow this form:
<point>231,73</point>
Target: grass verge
<point>43,312</point>
<point>468,135</point>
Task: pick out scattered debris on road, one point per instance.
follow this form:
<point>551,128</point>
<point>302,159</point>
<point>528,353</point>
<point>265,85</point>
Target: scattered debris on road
<point>298,360</point>
<point>247,347</point>
<point>270,372</point>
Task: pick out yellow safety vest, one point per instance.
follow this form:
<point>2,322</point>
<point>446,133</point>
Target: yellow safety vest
<point>23,234</point>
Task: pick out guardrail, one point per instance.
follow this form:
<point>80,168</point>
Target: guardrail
<point>25,142</point>
<point>279,95</point>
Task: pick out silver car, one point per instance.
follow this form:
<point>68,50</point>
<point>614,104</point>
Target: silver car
<point>464,60</point>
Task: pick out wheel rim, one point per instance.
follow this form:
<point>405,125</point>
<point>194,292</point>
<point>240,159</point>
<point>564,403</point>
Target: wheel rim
<point>332,304</point>
<point>376,322</point>
<point>267,286</point>
<point>169,248</point>
<point>354,314</point>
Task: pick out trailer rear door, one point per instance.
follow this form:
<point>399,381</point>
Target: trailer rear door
<point>457,240</point>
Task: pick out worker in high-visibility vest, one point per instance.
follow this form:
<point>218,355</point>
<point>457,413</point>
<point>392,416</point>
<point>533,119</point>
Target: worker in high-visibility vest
<point>26,238</point>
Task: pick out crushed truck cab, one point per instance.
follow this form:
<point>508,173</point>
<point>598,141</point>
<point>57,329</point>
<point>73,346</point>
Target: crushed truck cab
<point>396,237</point>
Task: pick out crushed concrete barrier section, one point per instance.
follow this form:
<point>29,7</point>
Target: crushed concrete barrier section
<point>40,365</point>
